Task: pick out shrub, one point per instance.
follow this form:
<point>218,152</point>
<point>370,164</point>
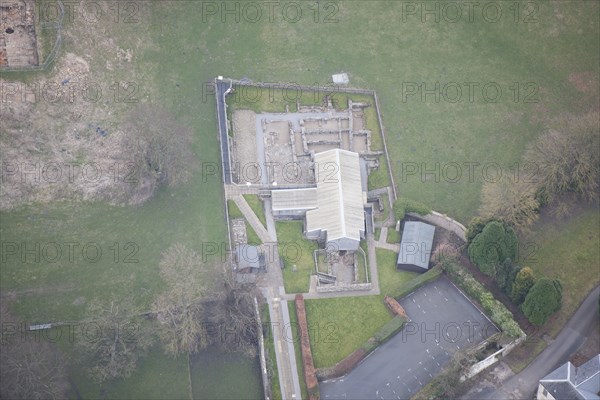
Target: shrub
<point>403,206</point>
<point>492,247</point>
<point>475,227</point>
<point>497,312</point>
<point>506,273</point>
<point>523,282</point>
<point>544,298</point>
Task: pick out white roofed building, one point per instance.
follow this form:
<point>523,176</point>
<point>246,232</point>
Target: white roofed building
<point>335,209</point>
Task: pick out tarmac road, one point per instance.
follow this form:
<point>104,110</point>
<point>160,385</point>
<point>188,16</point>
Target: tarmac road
<point>524,384</point>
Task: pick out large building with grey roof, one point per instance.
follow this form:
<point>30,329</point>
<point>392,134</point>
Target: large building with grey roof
<point>573,383</point>
<point>334,210</point>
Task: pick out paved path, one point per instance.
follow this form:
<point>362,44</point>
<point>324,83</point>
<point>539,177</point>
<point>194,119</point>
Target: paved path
<point>569,340</point>
<point>383,244</point>
<point>234,190</point>
<point>253,220</point>
<point>272,288</point>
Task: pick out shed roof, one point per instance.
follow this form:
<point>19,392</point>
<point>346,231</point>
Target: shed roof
<point>294,199</point>
<point>415,247</point>
<point>247,256</point>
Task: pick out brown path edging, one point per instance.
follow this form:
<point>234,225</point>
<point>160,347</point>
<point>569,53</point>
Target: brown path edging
<point>310,377</point>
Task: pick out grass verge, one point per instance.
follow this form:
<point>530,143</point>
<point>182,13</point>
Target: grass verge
<point>295,250</point>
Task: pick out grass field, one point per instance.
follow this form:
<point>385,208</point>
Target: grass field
<point>212,370</point>
<point>296,250</point>
<point>174,52</point>
<point>568,251</point>
<point>157,377</point>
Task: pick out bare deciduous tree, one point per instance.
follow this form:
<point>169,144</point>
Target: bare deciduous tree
<point>235,317</point>
<point>511,201</point>
<point>30,367</point>
<point>113,341</point>
<point>179,311</point>
<point>567,156</point>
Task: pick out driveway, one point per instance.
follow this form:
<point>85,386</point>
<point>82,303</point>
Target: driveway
<point>443,321</point>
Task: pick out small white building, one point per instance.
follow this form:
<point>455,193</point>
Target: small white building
<point>340,79</point>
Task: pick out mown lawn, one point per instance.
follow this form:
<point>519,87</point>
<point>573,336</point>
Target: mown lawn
<point>257,206</point>
<point>338,326</point>
<point>390,279</point>
<point>295,250</point>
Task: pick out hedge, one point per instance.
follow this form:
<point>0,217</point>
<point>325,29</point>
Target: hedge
<point>417,282</point>
<point>403,206</point>
<point>497,312</point>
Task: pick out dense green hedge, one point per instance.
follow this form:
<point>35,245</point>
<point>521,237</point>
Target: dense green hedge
<point>382,335</point>
<point>416,283</point>
<point>495,309</point>
<point>403,206</point>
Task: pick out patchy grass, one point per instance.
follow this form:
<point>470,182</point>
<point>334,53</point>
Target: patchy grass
<point>568,251</point>
<point>297,349</point>
<point>377,234</point>
<point>519,358</point>
<point>393,236</point>
<point>391,279</point>
<point>235,212</point>
<point>270,354</point>
<point>338,326</point>
<point>363,268</point>
<point>157,377</point>
<point>212,371</point>
<point>296,250</point>
<point>383,216</point>
<point>257,206</point>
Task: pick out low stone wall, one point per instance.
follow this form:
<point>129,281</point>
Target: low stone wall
<point>443,221</point>
<point>492,359</point>
<point>347,287</point>
<point>263,361</point>
<point>310,376</point>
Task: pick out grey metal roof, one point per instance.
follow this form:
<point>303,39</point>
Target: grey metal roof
<point>294,199</point>
<point>247,256</point>
<point>340,197</point>
<point>415,247</point>
<point>568,382</point>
